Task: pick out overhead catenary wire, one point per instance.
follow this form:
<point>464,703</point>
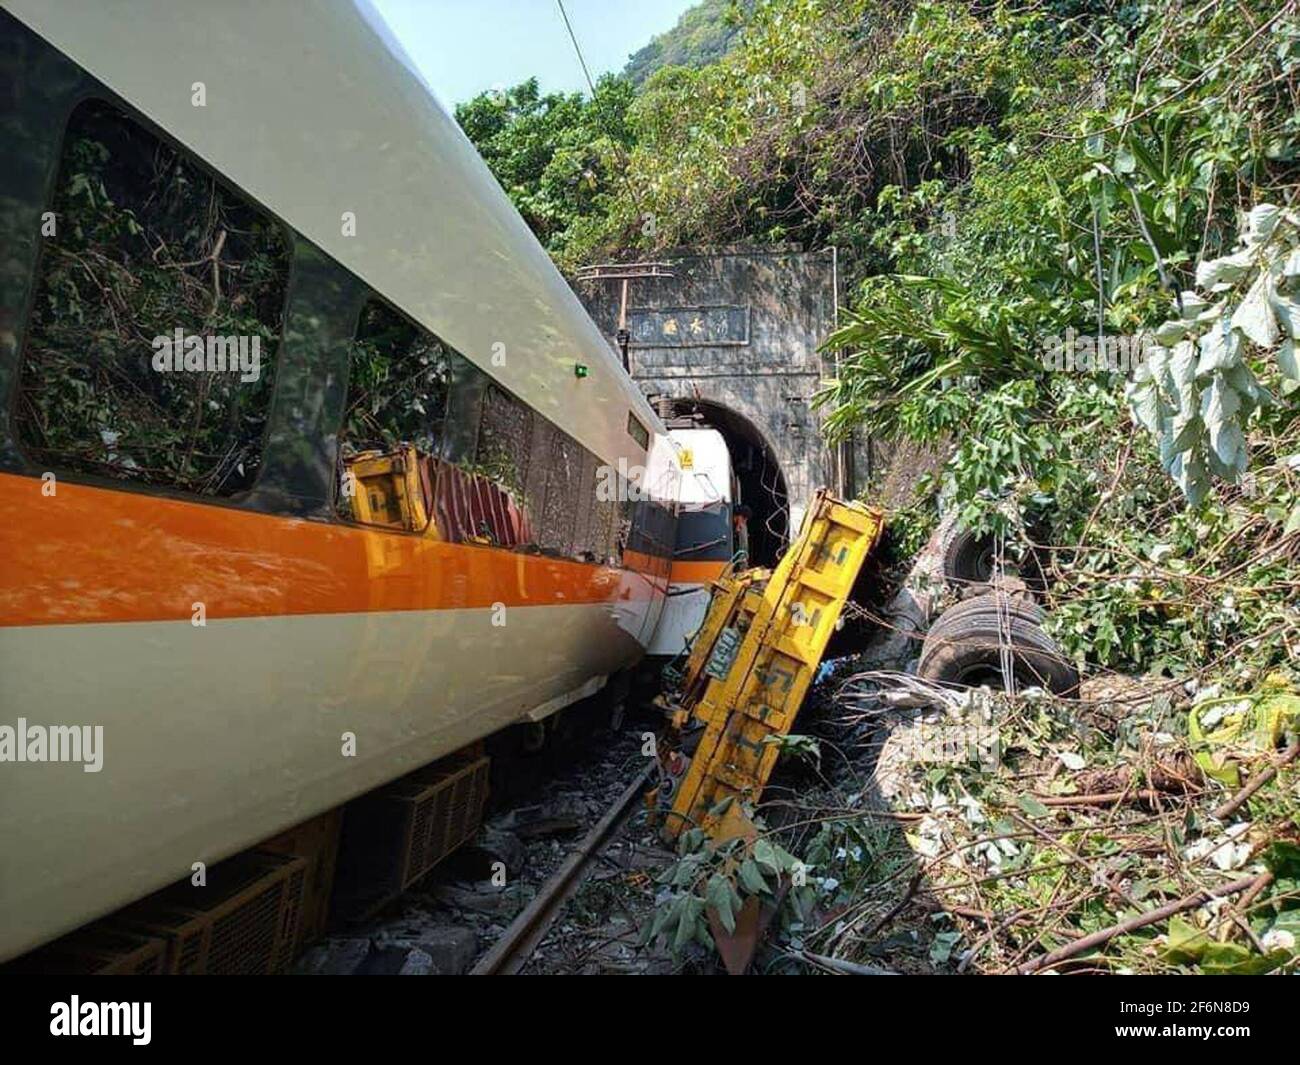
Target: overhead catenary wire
<point>600,111</point>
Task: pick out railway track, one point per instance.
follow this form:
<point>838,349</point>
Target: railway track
<point>521,938</point>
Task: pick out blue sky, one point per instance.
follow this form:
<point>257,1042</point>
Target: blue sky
<point>464,47</point>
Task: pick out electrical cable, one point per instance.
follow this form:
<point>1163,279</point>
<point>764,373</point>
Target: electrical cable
<point>600,111</point>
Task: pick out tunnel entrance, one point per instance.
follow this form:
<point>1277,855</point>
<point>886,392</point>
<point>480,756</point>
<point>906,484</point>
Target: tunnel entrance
<point>762,484</point>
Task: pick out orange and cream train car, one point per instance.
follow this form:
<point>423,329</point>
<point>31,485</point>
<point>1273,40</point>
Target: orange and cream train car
<point>305,445</point>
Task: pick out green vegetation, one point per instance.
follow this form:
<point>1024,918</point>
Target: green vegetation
<point>557,156</point>
<point>702,35</point>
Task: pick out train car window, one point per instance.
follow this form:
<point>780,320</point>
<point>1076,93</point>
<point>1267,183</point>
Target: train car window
<point>483,493</point>
<point>469,386</point>
<point>564,495</point>
<point>398,384</point>
<point>431,443</point>
<point>602,519</point>
<point>502,460</point>
<point>504,440</point>
<point>605,531</point>
<point>395,420</point>
<point>637,431</point>
<point>585,545</point>
<point>625,521</point>
<point>151,349</point>
<point>705,534</point>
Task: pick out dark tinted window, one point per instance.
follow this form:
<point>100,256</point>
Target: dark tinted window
<point>637,431</point>
<point>394,426</point>
<point>431,443</point>
<point>704,535</point>
<point>152,343</point>
<point>504,446</point>
<point>398,384</point>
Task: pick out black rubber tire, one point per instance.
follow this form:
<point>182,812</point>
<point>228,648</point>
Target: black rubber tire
<point>968,560</point>
<point>965,651</point>
<point>991,604</point>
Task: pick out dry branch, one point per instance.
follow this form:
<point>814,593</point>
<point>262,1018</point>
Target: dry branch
<point>1105,935</point>
<point>1225,811</point>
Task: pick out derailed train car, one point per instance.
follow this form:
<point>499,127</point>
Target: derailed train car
<point>304,445</point>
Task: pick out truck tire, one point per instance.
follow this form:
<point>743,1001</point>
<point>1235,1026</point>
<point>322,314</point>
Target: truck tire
<point>969,564</point>
<point>968,560</point>
<point>991,604</point>
<point>965,650</point>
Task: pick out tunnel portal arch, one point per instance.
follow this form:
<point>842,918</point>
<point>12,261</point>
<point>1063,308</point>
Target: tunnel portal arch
<point>763,485</point>
<point>735,333</point>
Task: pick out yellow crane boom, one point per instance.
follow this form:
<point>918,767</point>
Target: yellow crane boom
<point>754,658</point>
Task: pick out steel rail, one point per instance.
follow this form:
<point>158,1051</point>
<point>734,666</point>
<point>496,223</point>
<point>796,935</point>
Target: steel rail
<point>511,952</point>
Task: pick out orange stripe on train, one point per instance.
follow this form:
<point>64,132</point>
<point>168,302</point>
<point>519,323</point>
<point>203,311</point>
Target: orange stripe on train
<point>90,554</point>
<point>696,572</point>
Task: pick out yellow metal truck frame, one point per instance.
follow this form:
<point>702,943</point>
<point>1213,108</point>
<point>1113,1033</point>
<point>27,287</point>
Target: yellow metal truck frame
<point>755,657</point>
<point>385,489</point>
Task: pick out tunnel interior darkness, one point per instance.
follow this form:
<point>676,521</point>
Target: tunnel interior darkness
<point>762,484</point>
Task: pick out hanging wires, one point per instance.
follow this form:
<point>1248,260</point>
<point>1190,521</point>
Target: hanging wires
<point>619,150</point>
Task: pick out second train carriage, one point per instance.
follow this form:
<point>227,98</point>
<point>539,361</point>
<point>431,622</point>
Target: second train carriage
<point>711,537</point>
<point>277,583</point>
